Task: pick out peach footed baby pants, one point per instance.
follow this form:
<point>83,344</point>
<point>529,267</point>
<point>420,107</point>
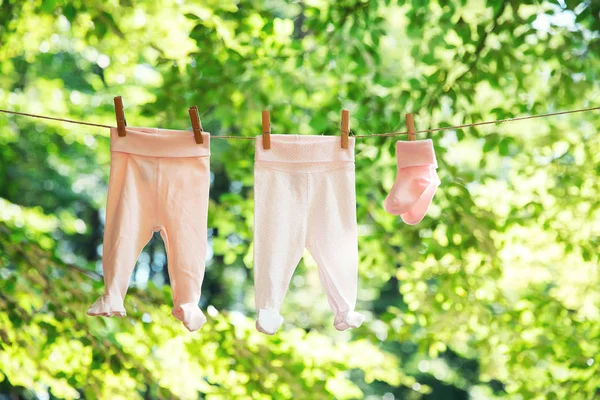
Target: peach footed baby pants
<point>304,197</point>
<point>159,182</point>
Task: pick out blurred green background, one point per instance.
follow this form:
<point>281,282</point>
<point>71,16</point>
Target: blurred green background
<point>495,295</point>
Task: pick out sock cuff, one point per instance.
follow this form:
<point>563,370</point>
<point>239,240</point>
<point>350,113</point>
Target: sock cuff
<point>415,153</point>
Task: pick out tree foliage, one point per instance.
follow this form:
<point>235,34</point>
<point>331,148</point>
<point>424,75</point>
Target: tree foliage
<point>494,295</point>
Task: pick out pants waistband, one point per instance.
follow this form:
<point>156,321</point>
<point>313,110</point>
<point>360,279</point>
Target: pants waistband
<point>304,149</point>
<point>154,142</point>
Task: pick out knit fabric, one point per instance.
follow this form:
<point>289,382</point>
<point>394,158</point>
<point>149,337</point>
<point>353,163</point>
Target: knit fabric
<point>304,197</point>
<point>159,182</point>
<point>416,181</point>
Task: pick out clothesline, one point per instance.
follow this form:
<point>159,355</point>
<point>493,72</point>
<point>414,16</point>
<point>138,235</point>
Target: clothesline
<point>387,134</point>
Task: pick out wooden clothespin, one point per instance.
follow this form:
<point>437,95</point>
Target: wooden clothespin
<point>410,124</point>
<point>121,121</point>
<point>266,130</point>
<point>196,125</point>
<point>345,128</point>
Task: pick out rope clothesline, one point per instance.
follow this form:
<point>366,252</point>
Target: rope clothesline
<point>388,134</point>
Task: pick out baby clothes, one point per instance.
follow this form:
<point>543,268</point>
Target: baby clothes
<point>159,182</point>
<point>416,181</point>
<point>304,197</point>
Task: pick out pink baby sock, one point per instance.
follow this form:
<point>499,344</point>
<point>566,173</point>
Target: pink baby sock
<point>416,181</point>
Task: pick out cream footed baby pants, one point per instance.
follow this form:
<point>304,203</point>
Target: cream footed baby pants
<point>159,181</point>
<point>304,197</point>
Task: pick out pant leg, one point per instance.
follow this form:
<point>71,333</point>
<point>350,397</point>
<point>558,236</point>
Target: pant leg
<point>183,187</point>
<point>332,239</point>
<point>130,215</point>
<point>279,238</point>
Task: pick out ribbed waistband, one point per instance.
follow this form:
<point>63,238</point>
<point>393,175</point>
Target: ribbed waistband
<point>154,142</point>
<point>304,148</point>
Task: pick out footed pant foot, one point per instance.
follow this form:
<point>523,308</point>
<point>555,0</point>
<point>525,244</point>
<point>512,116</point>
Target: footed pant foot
<point>107,306</point>
<point>268,321</point>
<point>191,316</point>
<point>347,320</point>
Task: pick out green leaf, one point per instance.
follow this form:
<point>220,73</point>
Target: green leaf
<point>491,141</point>
<point>504,147</point>
<point>48,6</point>
<point>70,12</point>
